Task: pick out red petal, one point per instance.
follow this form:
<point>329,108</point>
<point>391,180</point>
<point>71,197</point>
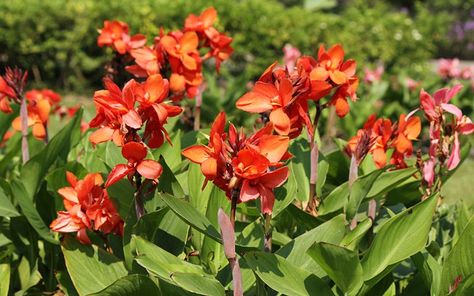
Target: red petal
<point>274,178</point>
<point>248,192</point>
<point>134,151</point>
<point>117,173</point>
<point>132,119</point>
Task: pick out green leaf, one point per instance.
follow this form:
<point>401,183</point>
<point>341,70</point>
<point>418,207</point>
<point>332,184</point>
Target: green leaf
<point>342,265</point>
<point>335,201</point>
<point>400,237</point>
<point>4,279</point>
<point>331,231</point>
<point>35,170</point>
<point>460,261</point>
<point>131,285</point>
<point>191,216</point>
<point>6,207</point>
<point>168,182</point>
<point>285,277</point>
<point>359,191</point>
<point>285,195</point>
<point>198,284</point>
<point>165,266</point>
<point>91,269</point>
<point>353,237</point>
<point>388,180</point>
<point>466,287</point>
<point>30,212</point>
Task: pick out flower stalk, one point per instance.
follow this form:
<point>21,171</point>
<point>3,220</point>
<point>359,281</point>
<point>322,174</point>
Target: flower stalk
<point>314,156</point>
<point>267,231</point>
<point>139,207</point>
<point>24,130</point>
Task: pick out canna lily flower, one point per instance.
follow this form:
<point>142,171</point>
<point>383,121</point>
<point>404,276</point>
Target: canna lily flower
<point>331,65</point>
<point>151,95</point>
<point>135,154</point>
<point>149,61</point>
<point>210,157</point>
<point>87,207</point>
<point>202,22</point>
<point>408,130</point>
<point>116,113</point>
<point>291,55</point>
<point>183,48</point>
<point>269,97</point>
<point>433,106</point>
<point>115,34</point>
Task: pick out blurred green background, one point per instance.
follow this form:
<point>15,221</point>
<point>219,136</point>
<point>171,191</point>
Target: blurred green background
<point>56,41</point>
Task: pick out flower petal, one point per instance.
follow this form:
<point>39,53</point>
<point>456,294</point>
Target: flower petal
<point>150,169</point>
<point>117,173</point>
<point>281,121</point>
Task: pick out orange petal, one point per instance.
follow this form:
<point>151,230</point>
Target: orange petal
<point>189,42</point>
<point>379,157</point>
<point>209,168</point>
<point>43,109</point>
<point>319,73</point>
<point>273,147</point>
<point>338,77</point>
<point>274,178</point>
<point>337,54</point>
<point>413,128</point>
<point>189,62</point>
<point>342,107</point>
<point>197,154</point>
<point>71,178</point>
<point>403,145</point>
<point>209,16</point>
<point>281,121</point>
<point>68,193</point>
<point>150,169</point>
<point>155,87</point>
<point>39,131</point>
<point>103,134</point>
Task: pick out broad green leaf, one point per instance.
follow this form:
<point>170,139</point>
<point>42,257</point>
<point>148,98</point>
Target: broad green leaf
<point>285,195</point>
<point>295,252</point>
<point>341,265</point>
<point>460,261</point>
<point>168,182</point>
<point>91,269</point>
<point>359,191</point>
<point>285,277</point>
<point>65,283</point>
<point>429,271</point>
<point>400,237</point>
<point>4,279</point>
<point>131,285</point>
<point>191,216</point>
<point>30,212</point>
<point>35,170</point>
<point>335,201</point>
<point>198,284</point>
<point>389,180</point>
<point>353,237</point>
<point>6,207</point>
<point>165,266</point>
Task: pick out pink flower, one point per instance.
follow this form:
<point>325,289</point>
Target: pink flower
<point>372,76</point>
<point>291,55</point>
<point>433,106</point>
<point>449,68</point>
<point>464,126</point>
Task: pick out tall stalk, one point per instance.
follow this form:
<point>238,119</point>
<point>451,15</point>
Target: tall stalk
<point>139,207</point>
<point>314,156</point>
<point>24,130</point>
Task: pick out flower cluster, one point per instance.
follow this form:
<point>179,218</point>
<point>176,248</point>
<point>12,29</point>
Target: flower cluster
<point>284,94</point>
<point>115,34</point>
<point>446,124</point>
<point>88,207</point>
<point>40,105</point>
<point>234,162</point>
<point>175,55</point>
<point>379,135</point>
<point>451,69</point>
<point>121,114</point>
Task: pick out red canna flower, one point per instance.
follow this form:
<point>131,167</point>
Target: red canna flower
<point>87,207</point>
<point>202,22</point>
<point>135,154</point>
<point>115,34</point>
<point>6,94</point>
<point>331,65</point>
<point>116,113</point>
<point>253,164</point>
<point>182,47</point>
<point>149,60</point>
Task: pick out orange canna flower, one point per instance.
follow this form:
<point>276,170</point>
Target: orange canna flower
<point>115,34</point>
<point>87,206</point>
<point>183,47</point>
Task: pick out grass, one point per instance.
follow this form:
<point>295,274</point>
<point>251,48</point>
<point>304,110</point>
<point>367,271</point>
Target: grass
<point>461,184</point>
